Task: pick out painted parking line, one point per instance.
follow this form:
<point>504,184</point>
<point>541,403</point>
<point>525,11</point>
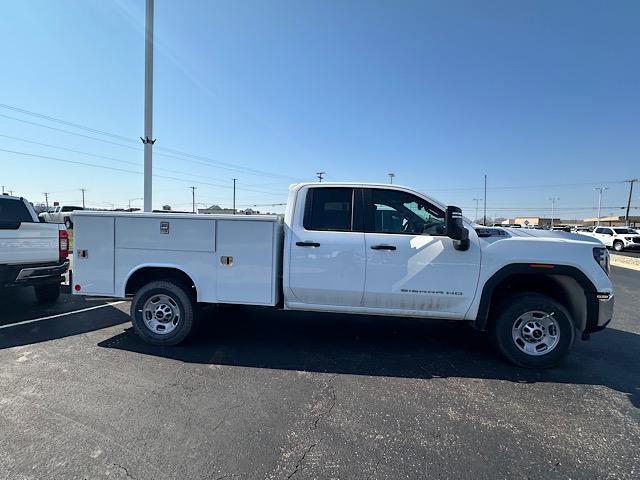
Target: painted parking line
<point>24,322</point>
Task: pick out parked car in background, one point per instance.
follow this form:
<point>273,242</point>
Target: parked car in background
<point>351,248</point>
<point>60,214</point>
<point>32,254</point>
<point>561,228</point>
<point>618,238</point>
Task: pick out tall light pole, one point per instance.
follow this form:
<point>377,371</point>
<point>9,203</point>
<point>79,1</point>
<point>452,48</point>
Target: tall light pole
<point>3,189</point>
<point>193,198</point>
<point>234,195</point>
<point>83,190</point>
<point>631,181</point>
<point>477,200</point>
<point>484,220</point>
<point>320,176</point>
<point>600,192</point>
<point>553,208</point>
<point>391,175</point>
<point>148,106</point>
<point>46,199</point>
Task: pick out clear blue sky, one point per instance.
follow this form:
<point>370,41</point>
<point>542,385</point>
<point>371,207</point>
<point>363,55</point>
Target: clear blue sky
<point>440,92</point>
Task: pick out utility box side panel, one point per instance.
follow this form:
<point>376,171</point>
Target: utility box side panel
<point>165,233</point>
<point>93,255</point>
<point>199,266</point>
<point>246,252</point>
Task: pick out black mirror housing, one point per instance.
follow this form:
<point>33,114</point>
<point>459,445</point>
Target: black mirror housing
<point>455,229</point>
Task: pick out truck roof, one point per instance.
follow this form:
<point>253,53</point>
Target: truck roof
<point>387,186</point>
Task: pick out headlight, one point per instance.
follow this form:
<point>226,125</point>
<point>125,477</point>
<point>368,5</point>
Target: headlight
<point>601,255</point>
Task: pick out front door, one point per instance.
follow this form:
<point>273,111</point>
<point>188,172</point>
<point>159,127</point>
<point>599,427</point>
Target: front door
<point>327,253</point>
<point>411,264</point>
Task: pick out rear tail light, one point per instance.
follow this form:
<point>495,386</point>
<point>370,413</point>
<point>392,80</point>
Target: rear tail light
<point>63,244</point>
<point>601,255</point>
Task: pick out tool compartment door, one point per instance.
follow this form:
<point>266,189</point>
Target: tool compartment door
<point>93,254</point>
<point>246,261</point>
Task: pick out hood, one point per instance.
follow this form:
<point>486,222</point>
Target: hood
<point>552,235</point>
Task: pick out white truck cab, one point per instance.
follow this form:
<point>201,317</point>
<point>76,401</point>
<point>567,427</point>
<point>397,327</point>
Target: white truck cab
<point>351,248</point>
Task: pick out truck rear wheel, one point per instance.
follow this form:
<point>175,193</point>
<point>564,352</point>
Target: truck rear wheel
<point>533,330</point>
<point>47,293</point>
<point>162,312</point>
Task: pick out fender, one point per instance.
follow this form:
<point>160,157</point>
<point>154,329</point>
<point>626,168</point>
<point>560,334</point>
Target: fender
<point>490,285</point>
<point>171,266</point>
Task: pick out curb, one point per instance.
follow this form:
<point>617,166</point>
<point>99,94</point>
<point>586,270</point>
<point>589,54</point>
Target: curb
<point>632,263</point>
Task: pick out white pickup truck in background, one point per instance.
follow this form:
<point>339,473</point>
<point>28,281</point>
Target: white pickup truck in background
<point>351,248</point>
<point>60,214</point>
<point>618,238</point>
<point>32,254</point>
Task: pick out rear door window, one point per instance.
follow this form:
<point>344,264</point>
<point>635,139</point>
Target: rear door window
<point>12,210</point>
<point>329,208</point>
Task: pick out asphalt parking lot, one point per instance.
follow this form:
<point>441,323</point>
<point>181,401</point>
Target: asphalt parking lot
<point>260,394</point>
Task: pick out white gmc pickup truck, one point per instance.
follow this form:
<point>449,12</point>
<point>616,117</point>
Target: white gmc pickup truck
<point>351,248</point>
<point>618,238</point>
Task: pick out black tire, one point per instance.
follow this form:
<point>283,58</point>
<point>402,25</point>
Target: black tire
<point>68,223</point>
<point>618,246</point>
<point>47,293</point>
<point>509,312</point>
<point>180,298</point>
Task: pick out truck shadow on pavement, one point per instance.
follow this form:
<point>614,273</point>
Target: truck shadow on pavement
<point>383,346</point>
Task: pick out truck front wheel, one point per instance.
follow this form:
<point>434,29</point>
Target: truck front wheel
<point>533,330</point>
<point>618,246</point>
<point>162,312</point>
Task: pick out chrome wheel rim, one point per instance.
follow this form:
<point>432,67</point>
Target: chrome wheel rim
<point>161,314</point>
<point>536,333</point>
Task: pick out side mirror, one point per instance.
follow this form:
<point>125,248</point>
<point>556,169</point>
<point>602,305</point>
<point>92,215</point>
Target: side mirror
<point>454,228</point>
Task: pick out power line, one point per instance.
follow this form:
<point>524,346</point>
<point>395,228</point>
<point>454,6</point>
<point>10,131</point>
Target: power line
<point>209,161</point>
<point>75,162</point>
<point>65,122</point>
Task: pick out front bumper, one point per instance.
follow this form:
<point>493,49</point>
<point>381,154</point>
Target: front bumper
<point>600,311</point>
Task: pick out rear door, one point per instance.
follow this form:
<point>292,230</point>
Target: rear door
<point>327,252</point>
<point>412,265</point>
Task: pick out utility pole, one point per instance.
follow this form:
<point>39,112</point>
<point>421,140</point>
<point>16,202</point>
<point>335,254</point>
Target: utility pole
<point>193,198</point>
<point>46,199</point>
<point>553,208</point>
<point>83,190</point>
<point>234,195</point>
<point>484,221</point>
<point>631,181</point>
<point>320,176</point>
<point>3,189</point>
<point>600,192</point>
<point>148,106</point>
<point>11,192</point>
<point>391,175</point>
<point>477,200</point>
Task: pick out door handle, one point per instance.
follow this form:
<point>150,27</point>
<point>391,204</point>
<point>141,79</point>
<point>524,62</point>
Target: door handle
<point>307,244</point>
<point>383,247</point>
